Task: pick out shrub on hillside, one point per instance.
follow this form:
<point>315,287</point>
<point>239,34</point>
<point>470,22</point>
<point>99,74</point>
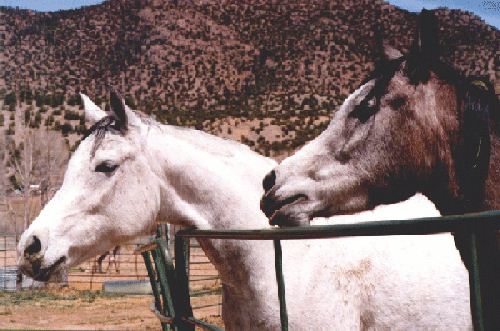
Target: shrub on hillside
<point>66,129</point>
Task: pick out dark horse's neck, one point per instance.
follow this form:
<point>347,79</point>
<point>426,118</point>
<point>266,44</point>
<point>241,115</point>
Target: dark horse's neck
<point>487,242</point>
<point>465,193</point>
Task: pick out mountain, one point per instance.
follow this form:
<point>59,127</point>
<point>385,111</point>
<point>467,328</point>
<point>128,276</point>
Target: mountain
<point>266,72</point>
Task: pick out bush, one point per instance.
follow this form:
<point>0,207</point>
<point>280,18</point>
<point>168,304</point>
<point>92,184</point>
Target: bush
<point>74,100</point>
<point>10,99</point>
<point>26,96</point>
<point>38,118</point>
<point>71,115</point>
<point>57,100</point>
<point>39,100</point>
<point>66,128</point>
<point>27,116</point>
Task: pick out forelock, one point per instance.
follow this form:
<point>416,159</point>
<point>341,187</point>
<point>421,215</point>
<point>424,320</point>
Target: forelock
<point>99,130</point>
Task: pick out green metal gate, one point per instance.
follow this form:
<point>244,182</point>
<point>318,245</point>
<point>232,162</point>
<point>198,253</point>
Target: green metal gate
<point>170,284</point>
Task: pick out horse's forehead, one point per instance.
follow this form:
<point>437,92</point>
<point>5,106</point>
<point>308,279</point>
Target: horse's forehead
<point>92,146</point>
<point>357,96</point>
<point>114,149</point>
<point>400,84</point>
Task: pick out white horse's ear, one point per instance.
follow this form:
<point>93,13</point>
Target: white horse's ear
<point>92,112</point>
<point>133,118</point>
<point>390,53</point>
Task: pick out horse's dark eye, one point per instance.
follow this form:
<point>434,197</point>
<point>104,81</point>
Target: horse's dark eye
<point>398,102</point>
<point>106,167</point>
<point>364,111</point>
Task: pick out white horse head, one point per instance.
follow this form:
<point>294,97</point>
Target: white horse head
<point>94,209</point>
<point>130,172</point>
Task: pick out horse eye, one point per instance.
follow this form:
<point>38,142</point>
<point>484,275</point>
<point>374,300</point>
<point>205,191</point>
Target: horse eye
<point>364,111</point>
<point>106,167</point>
<point>398,102</point>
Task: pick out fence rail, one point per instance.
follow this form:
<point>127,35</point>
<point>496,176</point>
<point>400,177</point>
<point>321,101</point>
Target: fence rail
<point>172,292</point>
<point>417,226</point>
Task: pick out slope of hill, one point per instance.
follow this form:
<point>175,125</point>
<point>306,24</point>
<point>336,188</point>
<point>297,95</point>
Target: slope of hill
<point>267,73</point>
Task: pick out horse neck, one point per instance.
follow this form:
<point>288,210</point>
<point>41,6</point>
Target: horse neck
<point>207,182</point>
<point>444,187</point>
<point>216,185</point>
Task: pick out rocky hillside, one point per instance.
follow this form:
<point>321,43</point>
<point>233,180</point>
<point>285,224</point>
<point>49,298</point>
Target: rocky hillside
<point>267,73</point>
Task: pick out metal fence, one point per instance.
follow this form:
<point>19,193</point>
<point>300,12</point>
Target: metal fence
<point>171,289</point>
<point>8,268</point>
<point>90,275</point>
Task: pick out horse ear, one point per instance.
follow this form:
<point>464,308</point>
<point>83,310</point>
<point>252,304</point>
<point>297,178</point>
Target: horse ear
<point>132,117</point>
<point>425,50</point>
<point>427,41</point>
<point>118,111</point>
<point>92,112</point>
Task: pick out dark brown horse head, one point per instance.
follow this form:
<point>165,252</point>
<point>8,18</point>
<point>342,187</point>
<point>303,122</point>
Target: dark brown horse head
<point>414,125</point>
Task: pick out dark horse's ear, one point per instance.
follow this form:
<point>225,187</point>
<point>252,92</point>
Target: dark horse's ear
<point>425,50</point>
<point>118,112</point>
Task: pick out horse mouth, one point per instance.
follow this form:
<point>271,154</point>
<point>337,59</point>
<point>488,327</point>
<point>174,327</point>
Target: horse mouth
<point>274,209</point>
<point>44,274</point>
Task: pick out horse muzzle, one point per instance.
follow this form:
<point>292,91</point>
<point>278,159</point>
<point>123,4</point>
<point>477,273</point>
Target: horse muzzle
<point>32,263</point>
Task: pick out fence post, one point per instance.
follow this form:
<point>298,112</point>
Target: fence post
<point>182,302</point>
<point>165,287</point>
<point>475,285</point>
<point>154,285</point>
<point>483,280</point>
<point>278,265</point>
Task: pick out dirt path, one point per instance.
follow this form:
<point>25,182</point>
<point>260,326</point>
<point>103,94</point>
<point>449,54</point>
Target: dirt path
<point>77,311</point>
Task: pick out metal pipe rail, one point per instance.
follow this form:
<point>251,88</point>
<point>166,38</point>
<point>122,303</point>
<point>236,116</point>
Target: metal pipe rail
<point>177,308</point>
<point>416,226</point>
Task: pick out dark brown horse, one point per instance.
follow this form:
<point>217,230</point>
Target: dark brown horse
<point>415,125</point>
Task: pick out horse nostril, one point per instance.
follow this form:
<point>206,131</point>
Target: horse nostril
<point>269,181</point>
<point>34,247</point>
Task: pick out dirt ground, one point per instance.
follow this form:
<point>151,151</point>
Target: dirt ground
<point>77,310</point>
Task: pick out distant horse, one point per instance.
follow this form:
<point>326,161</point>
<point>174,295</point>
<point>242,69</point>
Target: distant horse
<point>112,260</point>
<point>132,172</point>
<point>415,125</point>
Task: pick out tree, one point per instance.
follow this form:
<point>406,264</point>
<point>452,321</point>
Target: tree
<point>38,164</point>
<point>6,211</point>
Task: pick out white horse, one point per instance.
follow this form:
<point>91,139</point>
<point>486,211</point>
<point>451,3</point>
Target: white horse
<point>132,172</point>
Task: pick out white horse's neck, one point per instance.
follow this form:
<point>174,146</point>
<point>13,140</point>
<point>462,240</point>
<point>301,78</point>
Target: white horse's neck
<point>207,182</point>
<point>212,183</point>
